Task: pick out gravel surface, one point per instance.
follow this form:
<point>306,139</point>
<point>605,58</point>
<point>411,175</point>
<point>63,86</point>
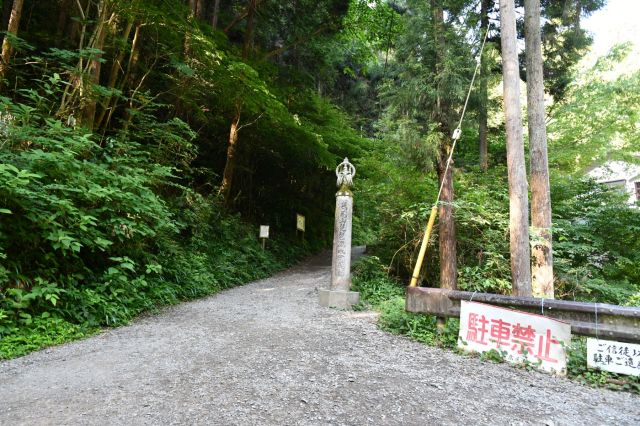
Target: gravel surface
<point>268,354</point>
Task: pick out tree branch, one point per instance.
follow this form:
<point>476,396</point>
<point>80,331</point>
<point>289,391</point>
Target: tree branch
<point>251,123</point>
<point>242,16</point>
<point>297,42</point>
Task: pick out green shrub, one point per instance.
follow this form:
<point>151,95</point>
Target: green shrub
<point>94,233</point>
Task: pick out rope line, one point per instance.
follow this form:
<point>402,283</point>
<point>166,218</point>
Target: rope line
<point>458,131</point>
<point>456,135</point>
<point>595,305</point>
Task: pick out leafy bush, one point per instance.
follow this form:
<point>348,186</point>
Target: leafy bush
<point>87,238</point>
<point>596,248</point>
<point>381,293</point>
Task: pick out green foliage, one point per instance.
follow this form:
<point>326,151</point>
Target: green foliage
<point>594,230</point>
<point>423,328</point>
<point>391,197</point>
<point>398,201</point>
<point>371,280</point>
<point>44,331</point>
<point>596,248</point>
<point>597,121</point>
<point>482,217</point>
<point>577,369</point>
<point>88,240</point>
<point>381,293</point>
<point>564,42</point>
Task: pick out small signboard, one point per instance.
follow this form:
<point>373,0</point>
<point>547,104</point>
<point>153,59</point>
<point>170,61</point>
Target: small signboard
<point>616,357</point>
<point>264,231</point>
<point>300,222</point>
<point>518,336</point>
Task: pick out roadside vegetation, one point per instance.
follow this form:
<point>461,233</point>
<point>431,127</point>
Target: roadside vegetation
<point>386,295</point>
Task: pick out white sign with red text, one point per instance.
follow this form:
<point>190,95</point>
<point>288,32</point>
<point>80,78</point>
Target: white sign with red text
<point>518,336</point>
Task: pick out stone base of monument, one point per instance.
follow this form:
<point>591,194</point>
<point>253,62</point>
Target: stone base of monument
<point>339,299</point>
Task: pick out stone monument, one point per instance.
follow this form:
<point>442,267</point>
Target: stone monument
<point>339,295</point>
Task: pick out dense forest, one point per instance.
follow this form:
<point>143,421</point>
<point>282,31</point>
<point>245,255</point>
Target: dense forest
<point>143,142</point>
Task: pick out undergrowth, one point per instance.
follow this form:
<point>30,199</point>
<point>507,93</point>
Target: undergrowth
<point>381,293</point>
<point>202,267</point>
<point>94,231</point>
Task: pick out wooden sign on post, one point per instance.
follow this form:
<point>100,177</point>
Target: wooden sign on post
<point>300,222</point>
<point>616,357</point>
<point>264,234</point>
<point>518,336</point>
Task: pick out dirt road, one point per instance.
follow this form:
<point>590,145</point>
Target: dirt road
<point>268,354</point>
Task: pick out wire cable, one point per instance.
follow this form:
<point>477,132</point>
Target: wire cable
<point>458,131</point>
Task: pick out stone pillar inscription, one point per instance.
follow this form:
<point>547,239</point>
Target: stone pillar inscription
<point>341,262</point>
<point>339,294</point>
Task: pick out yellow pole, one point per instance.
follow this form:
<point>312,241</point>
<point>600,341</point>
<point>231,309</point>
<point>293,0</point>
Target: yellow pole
<point>423,247</point>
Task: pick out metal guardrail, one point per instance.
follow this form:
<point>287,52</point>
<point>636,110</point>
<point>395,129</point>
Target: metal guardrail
<point>587,319</point>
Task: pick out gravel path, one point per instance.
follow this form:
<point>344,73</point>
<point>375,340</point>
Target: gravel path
<point>268,354</point>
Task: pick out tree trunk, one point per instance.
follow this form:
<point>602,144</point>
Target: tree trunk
<point>200,10</point>
<point>447,229</point>
<point>95,65</point>
<point>446,223</point>
<point>242,16</point>
<point>230,165</point>
<point>576,20</point>
<point>216,13</point>
<point>7,49</point>
<point>248,34</point>
<point>518,198</point>
<point>542,270</point>
<point>134,56</point>
<point>484,71</point>
<point>116,66</point>
<point>62,18</point>
<point>6,15</point>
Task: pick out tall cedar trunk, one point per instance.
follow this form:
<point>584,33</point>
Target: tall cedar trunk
<point>131,64</point>
<point>484,93</point>
<point>518,198</point>
<point>116,67</point>
<point>248,34</point>
<point>242,16</point>
<point>542,270</point>
<point>230,165</point>
<point>77,33</point>
<point>200,11</point>
<point>95,64</point>
<point>187,35</point>
<point>447,231</point>
<point>63,12</point>
<point>216,13</point>
<point>6,15</point>
<point>78,25</point>
<point>12,27</point>
<point>446,224</point>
